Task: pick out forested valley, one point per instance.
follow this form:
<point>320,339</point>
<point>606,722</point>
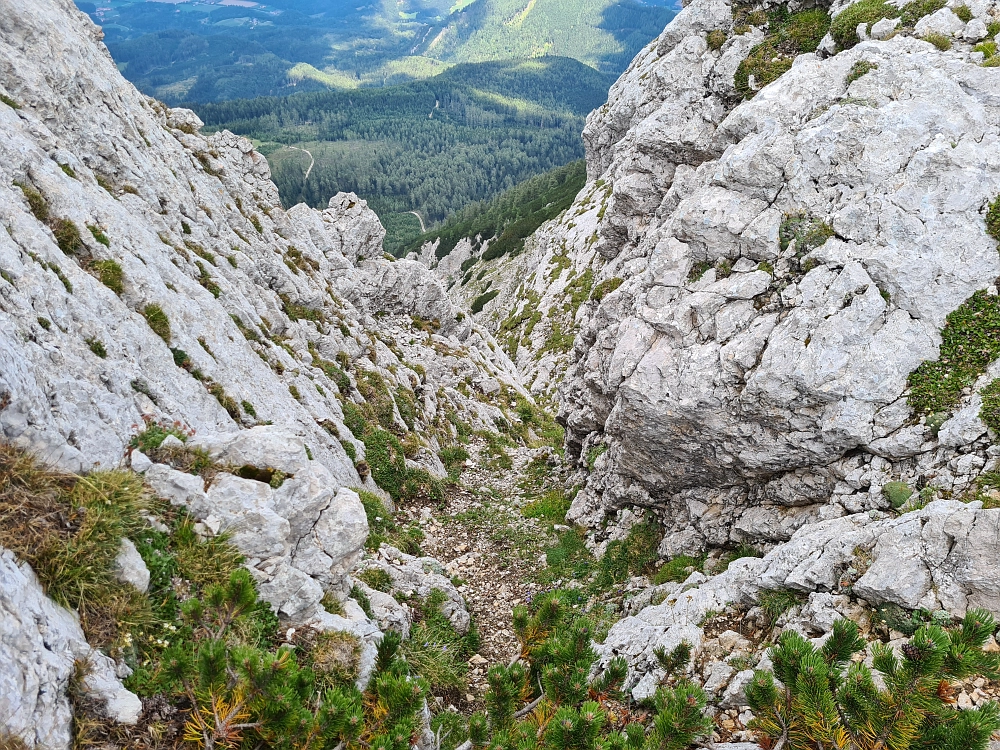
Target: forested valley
<point>431,147</point>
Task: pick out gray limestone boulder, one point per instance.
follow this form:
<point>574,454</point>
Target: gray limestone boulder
<point>40,643</point>
<point>130,567</point>
<point>420,576</point>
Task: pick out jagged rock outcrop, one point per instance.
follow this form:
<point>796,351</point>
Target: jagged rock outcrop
<point>936,558</point>
<point>761,278</point>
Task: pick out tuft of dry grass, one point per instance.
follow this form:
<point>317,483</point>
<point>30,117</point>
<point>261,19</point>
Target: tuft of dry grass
<point>12,742</point>
<point>69,528</point>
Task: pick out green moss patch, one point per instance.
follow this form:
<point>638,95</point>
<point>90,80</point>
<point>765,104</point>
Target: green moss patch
<point>970,341</point>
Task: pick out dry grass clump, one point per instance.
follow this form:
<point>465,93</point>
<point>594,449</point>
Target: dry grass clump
<point>69,528</point>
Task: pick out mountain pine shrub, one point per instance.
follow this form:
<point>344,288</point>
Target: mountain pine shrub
<point>566,710</point>
<point>822,698</point>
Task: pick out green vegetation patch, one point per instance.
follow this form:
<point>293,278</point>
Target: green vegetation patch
<point>382,528</point>
<point>510,217</point>
<point>844,28</point>
<point>99,235</point>
<point>677,569</point>
<point>157,320</point>
<point>828,692</point>
<point>860,68</point>
<point>990,410</point>
<point>897,493</point>
<point>67,235</point>
<point>993,219</point>
<point>970,341</point>
<point>807,232</point>
<point>435,650</point>
<point>635,555</point>
<point>110,273</point>
<point>604,288</point>
<point>789,35</point>
<point>941,41</point>
<point>482,300</point>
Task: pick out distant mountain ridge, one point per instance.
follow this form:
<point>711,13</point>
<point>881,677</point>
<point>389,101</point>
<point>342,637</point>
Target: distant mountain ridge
<point>202,51</point>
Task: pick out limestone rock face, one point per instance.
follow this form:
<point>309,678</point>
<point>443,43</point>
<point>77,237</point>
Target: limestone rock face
<point>39,645</point>
<point>764,275</point>
<point>936,558</point>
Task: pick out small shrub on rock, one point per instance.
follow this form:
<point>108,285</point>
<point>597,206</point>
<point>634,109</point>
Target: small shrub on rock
<point>110,273</point>
<point>828,699</point>
<point>940,41</point>
<point>99,235</point>
<point>377,579</point>
<point>715,39</point>
<point>97,347</point>
<point>989,412</point>
<point>67,235</point>
<point>604,288</point>
<point>897,493</point>
<point>37,204</point>
<point>860,68</point>
<point>157,320</point>
<point>482,300</point>
<point>566,709</point>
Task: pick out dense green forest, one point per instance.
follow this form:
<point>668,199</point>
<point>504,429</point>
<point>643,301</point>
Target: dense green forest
<point>430,146</point>
<point>511,217</point>
<point>199,51</point>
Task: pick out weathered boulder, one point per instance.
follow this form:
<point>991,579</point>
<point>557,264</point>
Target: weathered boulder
<point>131,568</point>
<point>40,643</point>
<point>420,576</point>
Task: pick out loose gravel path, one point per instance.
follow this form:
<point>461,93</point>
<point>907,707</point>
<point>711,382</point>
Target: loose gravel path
<point>481,537</point>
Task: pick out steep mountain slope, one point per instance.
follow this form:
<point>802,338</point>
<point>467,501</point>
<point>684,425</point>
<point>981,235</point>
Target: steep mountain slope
<point>770,319</point>
<point>754,282</point>
<point>150,280</point>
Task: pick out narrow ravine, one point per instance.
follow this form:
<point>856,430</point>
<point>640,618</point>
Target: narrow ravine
<point>484,540</point>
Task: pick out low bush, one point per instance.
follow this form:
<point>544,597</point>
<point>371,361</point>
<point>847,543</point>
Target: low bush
<point>677,569</point>
<point>897,493</point>
<point>482,300</point>
<point>99,235</point>
<point>940,41</point>
<point>715,39</point>
<point>635,555</point>
<point>67,235</point>
<point>828,697</point>
<point>110,273</point>
<point>567,709</point>
<point>993,219</point>
<point>860,68</point>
